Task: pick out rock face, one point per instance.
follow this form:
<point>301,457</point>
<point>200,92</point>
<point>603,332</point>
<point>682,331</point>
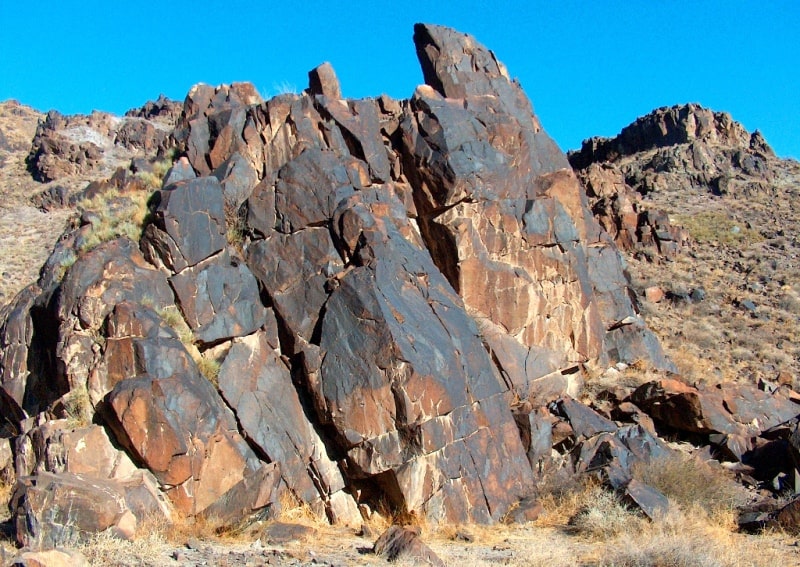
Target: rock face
<point>346,302</point>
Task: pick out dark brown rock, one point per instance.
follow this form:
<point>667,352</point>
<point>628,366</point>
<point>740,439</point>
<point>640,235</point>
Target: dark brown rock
<point>649,500</point>
<point>219,299</point>
<point>511,241</point>
<point>788,517</point>
<point>614,454</point>
<point>322,80</point>
<point>52,510</point>
<point>403,542</point>
<point>49,558</point>
<point>181,170</point>
<point>584,420</point>
<point>258,386</point>
<point>404,379</point>
<point>190,222</point>
<point>174,423</point>
<point>730,409</point>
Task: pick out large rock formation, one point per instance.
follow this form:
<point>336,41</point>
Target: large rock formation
<point>355,302</point>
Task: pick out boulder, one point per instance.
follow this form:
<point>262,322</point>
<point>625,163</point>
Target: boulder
<point>322,80</point>
<point>181,170</point>
<point>730,409</point>
<point>188,223</point>
<point>52,510</point>
<point>511,240</point>
<point>49,558</point>
<point>219,299</point>
<point>174,423</point>
<point>258,386</point>
<point>403,542</point>
<point>614,454</point>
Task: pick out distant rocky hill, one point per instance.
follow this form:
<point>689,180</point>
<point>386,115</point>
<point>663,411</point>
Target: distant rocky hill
<point>364,306</point>
<point>686,177</point>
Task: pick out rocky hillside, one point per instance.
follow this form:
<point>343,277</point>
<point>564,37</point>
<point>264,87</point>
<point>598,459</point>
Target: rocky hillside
<point>373,307</point>
<point>726,307</point>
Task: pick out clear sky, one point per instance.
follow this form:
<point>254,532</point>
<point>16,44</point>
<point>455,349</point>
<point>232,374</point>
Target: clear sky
<point>590,67</point>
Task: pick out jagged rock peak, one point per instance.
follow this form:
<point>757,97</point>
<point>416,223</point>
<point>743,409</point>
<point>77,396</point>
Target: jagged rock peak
<point>668,126</point>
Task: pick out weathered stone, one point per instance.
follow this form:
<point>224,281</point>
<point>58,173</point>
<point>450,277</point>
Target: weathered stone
<point>173,421</point>
<point>585,421</point>
<point>190,216</point>
<point>788,517</point>
<point>53,510</point>
<point>511,240</point>
<point>256,491</point>
<point>55,155</point>
<point>536,432</point>
<point>257,385</point>
<point>238,178</point>
<point>528,510</point>
<point>359,124</point>
<point>615,453</point>
<point>322,80</point>
<point>219,299</point>
<point>112,273</point>
<point>649,500</point>
<point>16,378</point>
<point>734,410</point>
<point>294,269</point>
<point>403,542</point>
<point>308,189</point>
<point>49,558</point>
<point>404,379</point>
<point>181,170</point>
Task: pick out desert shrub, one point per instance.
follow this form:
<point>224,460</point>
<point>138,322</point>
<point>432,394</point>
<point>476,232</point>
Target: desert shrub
<point>604,516</point>
<point>690,483</point>
<point>78,407</point>
<point>235,223</point>
<point>153,179</point>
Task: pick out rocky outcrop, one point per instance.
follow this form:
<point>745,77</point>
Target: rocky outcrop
<point>65,146</point>
<point>676,149</point>
<point>348,303</point>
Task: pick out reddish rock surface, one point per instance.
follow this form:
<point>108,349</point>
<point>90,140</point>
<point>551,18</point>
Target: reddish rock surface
<point>384,298</point>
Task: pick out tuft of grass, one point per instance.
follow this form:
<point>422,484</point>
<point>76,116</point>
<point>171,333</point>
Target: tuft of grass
<point>235,222</point>
<point>153,179</point>
<point>116,216</point>
<point>691,484</point>
<point>716,227</point>
<point>172,316</point>
<point>209,368</point>
<point>604,516</point>
<point>78,407</point>
<point>65,264</point>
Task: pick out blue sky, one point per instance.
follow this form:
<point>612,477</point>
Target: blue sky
<point>590,68</point>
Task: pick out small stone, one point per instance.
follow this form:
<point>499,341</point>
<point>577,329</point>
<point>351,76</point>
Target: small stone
<point>654,294</point>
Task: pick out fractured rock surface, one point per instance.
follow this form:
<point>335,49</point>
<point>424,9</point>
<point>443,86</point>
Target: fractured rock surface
<point>351,303</point>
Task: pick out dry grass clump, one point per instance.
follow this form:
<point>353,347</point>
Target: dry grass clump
<point>172,316</point>
<point>693,485</point>
<point>604,516</point>
<point>716,227</point>
<point>687,540</point>
<point>209,368</point>
<point>153,179</point>
<point>78,408</point>
<point>236,223</point>
<point>115,215</point>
